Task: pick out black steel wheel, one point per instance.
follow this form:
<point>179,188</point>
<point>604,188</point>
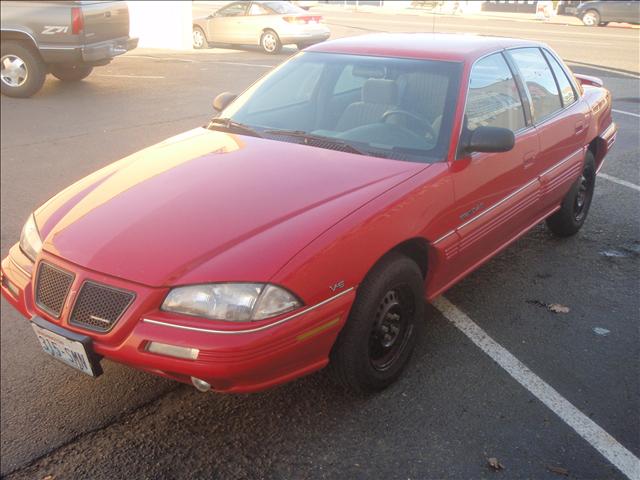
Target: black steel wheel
<point>379,336</point>
<point>575,206</point>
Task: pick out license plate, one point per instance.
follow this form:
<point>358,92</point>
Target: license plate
<point>72,352</point>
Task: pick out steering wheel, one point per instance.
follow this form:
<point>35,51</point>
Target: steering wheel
<point>429,129</point>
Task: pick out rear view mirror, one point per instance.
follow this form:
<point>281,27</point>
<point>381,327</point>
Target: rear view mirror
<point>490,139</point>
<point>223,100</point>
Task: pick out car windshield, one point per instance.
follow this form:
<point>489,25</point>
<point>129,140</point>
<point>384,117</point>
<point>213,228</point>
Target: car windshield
<point>387,107</point>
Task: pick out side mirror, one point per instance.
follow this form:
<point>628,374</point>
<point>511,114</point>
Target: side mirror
<point>223,100</point>
<point>490,139</point>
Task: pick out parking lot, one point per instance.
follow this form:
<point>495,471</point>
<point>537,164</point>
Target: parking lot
<point>461,402</point>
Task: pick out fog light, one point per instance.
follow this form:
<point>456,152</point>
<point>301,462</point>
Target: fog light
<point>15,291</point>
<point>173,350</point>
<point>201,385</point>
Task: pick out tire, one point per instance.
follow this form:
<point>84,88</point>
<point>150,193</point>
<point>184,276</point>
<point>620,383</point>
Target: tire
<point>591,18</point>
<point>199,38</point>
<point>575,206</point>
<point>22,70</point>
<point>302,46</point>
<point>379,336</point>
<point>71,73</point>
<point>270,42</point>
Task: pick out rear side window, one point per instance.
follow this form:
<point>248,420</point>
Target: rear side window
<point>566,90</point>
<point>347,81</point>
<point>493,98</point>
<point>539,81</point>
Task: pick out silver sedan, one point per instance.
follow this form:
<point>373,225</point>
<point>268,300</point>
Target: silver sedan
<point>270,24</point>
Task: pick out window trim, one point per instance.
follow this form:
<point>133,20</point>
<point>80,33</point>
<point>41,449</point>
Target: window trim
<point>528,117</point>
<point>570,78</point>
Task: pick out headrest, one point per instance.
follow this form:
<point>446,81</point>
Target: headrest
<point>381,91</point>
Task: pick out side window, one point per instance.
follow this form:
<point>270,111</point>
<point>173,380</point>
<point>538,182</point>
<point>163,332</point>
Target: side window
<point>257,9</point>
<point>347,81</point>
<point>297,88</point>
<point>566,90</point>
<point>537,75</point>
<point>233,10</point>
<point>493,98</point>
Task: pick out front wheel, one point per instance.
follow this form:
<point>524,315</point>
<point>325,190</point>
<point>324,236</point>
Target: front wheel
<point>575,206</point>
<point>199,39</point>
<point>591,18</point>
<point>270,42</point>
<point>71,73</point>
<point>379,336</point>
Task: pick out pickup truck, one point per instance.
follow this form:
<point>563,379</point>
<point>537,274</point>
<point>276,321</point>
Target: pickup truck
<point>66,39</point>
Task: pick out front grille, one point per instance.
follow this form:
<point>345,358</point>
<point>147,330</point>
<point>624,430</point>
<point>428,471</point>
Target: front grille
<point>98,307</point>
<point>52,288</point>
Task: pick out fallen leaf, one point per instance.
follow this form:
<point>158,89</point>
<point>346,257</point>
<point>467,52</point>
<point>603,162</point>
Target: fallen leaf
<point>601,331</point>
<point>48,477</point>
<point>557,308</point>
<point>494,463</point>
<point>558,470</point>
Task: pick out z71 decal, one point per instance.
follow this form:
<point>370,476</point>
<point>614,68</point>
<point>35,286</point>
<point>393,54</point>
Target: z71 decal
<point>53,29</point>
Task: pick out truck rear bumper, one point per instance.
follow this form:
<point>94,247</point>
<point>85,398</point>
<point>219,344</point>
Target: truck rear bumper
<point>94,54</point>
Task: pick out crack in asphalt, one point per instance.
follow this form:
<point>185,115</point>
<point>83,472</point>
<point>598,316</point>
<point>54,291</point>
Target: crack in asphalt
<point>81,436</point>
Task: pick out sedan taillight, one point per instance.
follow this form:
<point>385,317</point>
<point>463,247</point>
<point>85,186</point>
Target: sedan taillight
<point>303,19</point>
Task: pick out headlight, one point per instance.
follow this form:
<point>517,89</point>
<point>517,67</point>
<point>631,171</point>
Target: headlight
<point>30,242</point>
<point>232,302</point>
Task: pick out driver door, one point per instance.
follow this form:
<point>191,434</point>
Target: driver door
<point>226,24</point>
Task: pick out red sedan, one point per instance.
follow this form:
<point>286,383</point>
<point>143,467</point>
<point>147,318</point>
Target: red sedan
<point>309,221</point>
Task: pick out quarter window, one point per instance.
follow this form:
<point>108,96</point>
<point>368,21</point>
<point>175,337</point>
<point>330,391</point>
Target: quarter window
<point>539,81</point>
<point>493,98</point>
<point>566,90</point>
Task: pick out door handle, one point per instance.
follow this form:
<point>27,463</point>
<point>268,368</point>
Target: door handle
<point>529,159</point>
<point>579,127</point>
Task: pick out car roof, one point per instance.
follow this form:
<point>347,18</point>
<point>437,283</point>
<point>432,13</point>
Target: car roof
<point>427,46</point>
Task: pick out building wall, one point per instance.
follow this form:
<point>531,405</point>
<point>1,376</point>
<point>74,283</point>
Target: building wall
<point>161,24</point>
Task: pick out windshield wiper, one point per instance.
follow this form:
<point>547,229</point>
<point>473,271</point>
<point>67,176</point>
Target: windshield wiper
<point>232,125</point>
<point>318,140</point>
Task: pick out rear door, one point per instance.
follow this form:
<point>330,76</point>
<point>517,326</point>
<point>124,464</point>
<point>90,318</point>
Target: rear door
<point>104,20</point>
<point>494,192</point>
<point>560,119</point>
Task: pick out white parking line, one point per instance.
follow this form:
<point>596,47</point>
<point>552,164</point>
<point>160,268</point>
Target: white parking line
<point>619,181</point>
<point>128,76</point>
<point>625,113</point>
<point>608,446</point>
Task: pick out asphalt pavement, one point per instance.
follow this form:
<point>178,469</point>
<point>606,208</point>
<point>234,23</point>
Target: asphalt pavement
<point>455,407</point>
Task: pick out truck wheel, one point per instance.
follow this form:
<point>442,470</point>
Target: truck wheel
<point>591,18</point>
<point>379,336</point>
<point>71,73</point>
<point>270,42</point>
<point>22,71</point>
<point>575,206</point>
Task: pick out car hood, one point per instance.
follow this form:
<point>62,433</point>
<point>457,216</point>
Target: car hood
<point>208,206</point>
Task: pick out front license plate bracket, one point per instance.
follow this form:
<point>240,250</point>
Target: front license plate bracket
<point>76,344</point>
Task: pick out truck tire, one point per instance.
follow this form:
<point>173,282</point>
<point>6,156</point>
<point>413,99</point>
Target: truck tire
<point>22,70</point>
<point>71,73</point>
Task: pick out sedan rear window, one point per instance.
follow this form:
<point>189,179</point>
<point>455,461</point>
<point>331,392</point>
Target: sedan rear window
<point>389,107</point>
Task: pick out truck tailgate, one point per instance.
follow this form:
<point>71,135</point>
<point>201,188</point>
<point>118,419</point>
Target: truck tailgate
<point>104,20</point>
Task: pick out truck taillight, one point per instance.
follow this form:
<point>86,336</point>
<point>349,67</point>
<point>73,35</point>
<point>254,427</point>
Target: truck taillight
<point>77,20</point>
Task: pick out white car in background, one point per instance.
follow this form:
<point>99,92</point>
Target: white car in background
<point>269,24</point>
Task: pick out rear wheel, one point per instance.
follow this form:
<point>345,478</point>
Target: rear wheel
<point>377,341</point>
<point>22,71</point>
<point>71,73</point>
<point>575,206</point>
<point>270,42</point>
<point>199,39</point>
<point>591,18</point>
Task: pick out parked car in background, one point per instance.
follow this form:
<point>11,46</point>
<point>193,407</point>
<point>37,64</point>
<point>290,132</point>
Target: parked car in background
<point>600,13</point>
<point>307,223</point>
<point>305,4</point>
<point>269,24</point>
<point>66,39</point>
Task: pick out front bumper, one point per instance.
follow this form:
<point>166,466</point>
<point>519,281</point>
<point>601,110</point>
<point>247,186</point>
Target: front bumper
<point>262,355</point>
